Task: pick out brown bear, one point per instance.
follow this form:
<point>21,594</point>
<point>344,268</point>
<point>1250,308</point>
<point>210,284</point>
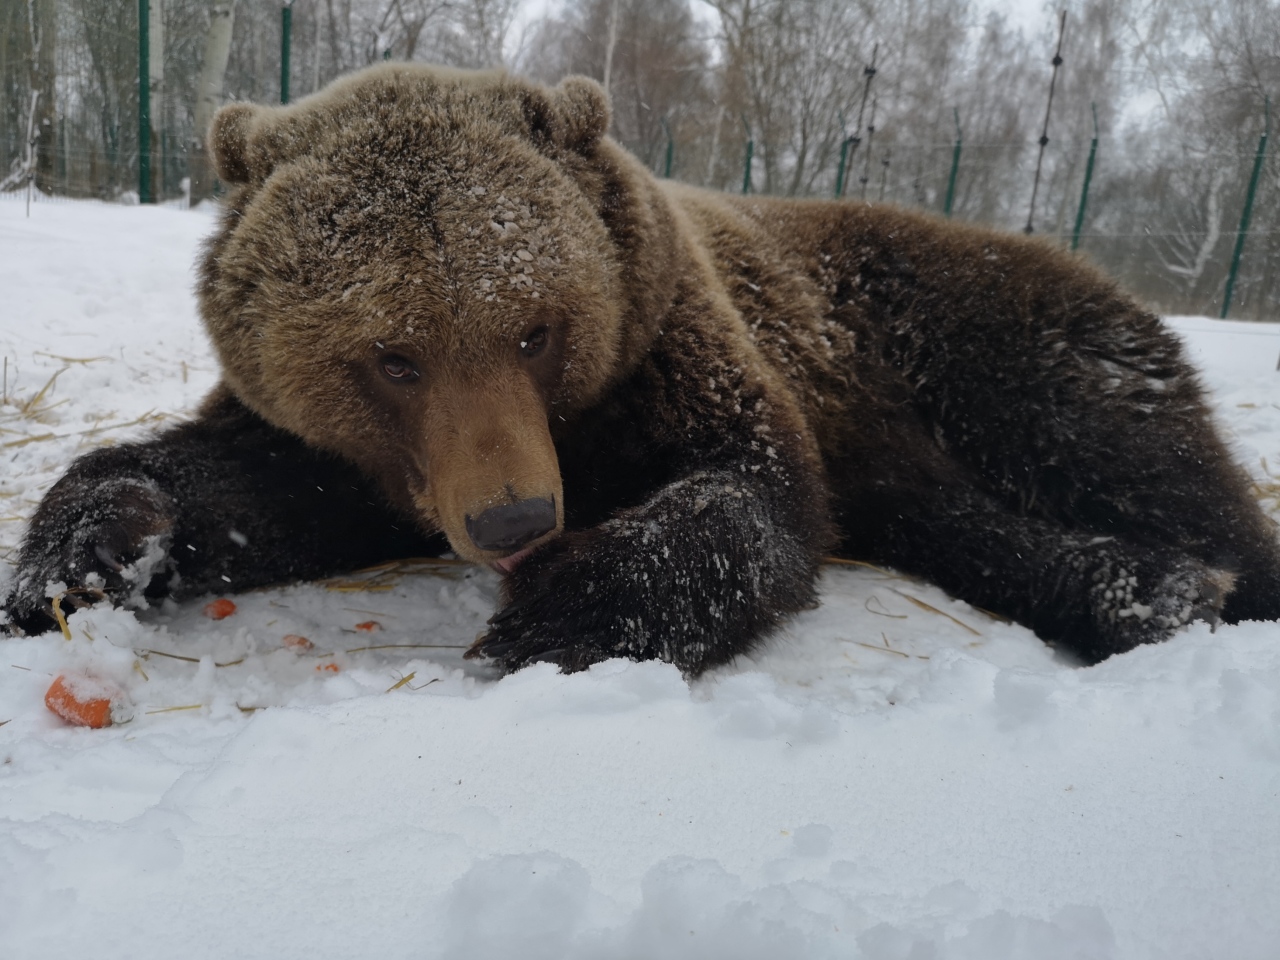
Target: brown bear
<point>452,313</point>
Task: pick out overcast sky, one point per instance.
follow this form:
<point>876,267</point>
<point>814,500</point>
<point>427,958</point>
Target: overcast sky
<point>1031,15</point>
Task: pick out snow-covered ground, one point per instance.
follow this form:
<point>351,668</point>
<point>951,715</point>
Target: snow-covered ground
<point>895,776</point>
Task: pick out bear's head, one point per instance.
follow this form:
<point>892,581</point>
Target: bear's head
<point>422,271</point>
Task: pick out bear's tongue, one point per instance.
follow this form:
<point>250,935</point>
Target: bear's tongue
<point>507,565</point>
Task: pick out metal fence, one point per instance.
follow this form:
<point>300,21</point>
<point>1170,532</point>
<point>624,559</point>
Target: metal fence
<point>1133,223</point>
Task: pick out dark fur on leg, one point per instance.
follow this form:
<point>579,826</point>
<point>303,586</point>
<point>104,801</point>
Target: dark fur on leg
<point>222,503</point>
<point>694,577</point>
<point>1090,596</point>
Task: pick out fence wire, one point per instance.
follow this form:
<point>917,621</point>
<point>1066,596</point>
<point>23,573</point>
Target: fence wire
<point>1167,235</point>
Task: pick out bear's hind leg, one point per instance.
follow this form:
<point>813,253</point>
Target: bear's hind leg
<point>1090,596</point>
<point>1202,506</point>
<point>1159,475</point>
<point>1095,420</point>
<point>1165,477</point>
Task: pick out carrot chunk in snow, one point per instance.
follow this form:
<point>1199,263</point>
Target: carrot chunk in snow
<point>294,642</point>
<point>219,609</point>
<point>328,667</point>
<point>368,626</point>
<point>88,701</point>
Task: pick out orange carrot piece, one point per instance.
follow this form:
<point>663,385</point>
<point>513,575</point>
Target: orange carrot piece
<point>329,667</point>
<point>368,626</point>
<point>294,642</point>
<point>219,609</point>
<point>87,701</point>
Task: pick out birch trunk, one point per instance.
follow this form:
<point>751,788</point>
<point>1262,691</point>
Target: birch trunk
<point>612,42</point>
<point>44,34</point>
<point>155,80</point>
<point>209,96</point>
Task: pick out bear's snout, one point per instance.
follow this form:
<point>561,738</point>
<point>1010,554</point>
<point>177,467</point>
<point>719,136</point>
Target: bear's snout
<point>495,487</point>
<point>512,525</point>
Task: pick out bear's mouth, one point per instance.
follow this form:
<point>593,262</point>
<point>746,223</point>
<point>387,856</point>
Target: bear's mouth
<point>507,565</point>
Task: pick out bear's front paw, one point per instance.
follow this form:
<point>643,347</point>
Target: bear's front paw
<point>111,543</point>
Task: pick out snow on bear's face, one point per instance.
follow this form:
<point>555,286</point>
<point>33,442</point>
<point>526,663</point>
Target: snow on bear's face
<point>408,274</point>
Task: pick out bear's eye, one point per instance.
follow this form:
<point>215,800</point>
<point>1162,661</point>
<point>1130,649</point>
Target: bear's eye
<point>534,342</point>
<point>399,369</point>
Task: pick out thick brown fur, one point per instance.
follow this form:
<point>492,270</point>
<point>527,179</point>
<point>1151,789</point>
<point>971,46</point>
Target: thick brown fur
<point>707,392</point>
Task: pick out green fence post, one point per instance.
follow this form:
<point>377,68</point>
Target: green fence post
<point>955,166</point>
<point>671,149</point>
<point>144,101</point>
<point>746,166</point>
<point>1248,207</point>
<point>286,31</point>
<point>1088,177</point>
<point>844,154</point>
<point>844,151</point>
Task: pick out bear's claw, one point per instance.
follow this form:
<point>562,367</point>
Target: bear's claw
<point>486,649</point>
<point>510,653</point>
<point>1211,596</point>
<point>507,613</point>
<point>514,654</point>
<point>108,558</point>
<point>555,655</point>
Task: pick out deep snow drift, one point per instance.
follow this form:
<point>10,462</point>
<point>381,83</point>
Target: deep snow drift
<point>895,776</point>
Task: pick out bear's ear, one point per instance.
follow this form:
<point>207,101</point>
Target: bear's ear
<point>584,112</point>
<point>229,142</point>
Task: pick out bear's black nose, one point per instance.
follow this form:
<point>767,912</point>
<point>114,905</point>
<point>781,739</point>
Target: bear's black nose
<point>512,525</point>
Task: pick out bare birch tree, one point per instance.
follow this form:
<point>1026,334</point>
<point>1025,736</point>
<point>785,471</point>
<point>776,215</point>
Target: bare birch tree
<point>213,70</point>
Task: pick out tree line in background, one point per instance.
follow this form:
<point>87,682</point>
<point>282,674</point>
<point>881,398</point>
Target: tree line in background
<point>697,85</point>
